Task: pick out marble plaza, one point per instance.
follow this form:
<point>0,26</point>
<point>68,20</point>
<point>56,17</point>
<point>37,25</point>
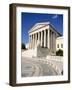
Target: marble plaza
<point>40,57</point>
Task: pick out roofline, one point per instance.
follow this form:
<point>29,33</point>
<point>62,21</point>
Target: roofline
<point>61,37</point>
<point>40,24</point>
<point>55,29</point>
<point>45,26</point>
<point>38,28</point>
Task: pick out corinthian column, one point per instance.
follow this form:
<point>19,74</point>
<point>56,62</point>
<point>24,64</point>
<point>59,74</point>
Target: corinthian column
<point>38,37</point>
<point>33,40</point>
<point>48,39</point>
<point>41,37</point>
<point>44,38</point>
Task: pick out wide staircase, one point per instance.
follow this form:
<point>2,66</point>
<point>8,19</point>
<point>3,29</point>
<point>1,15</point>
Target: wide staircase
<point>28,53</point>
<point>42,52</point>
<point>37,52</point>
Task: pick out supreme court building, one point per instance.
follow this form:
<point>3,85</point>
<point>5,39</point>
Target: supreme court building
<point>44,35</point>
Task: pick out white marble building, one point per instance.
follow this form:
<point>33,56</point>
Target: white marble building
<point>59,43</point>
<point>43,34</point>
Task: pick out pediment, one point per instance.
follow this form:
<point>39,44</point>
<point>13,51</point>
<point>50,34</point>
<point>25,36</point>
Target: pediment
<point>38,25</point>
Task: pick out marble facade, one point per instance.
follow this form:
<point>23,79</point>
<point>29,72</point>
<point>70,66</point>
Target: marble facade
<point>43,34</point>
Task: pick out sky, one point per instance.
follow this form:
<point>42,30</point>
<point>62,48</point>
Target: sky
<point>28,20</point>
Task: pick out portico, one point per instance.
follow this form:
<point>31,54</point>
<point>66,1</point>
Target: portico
<point>43,34</point>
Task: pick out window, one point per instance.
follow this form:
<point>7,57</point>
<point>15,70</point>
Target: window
<point>57,45</point>
<point>61,45</point>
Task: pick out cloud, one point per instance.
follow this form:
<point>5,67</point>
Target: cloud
<point>55,16</point>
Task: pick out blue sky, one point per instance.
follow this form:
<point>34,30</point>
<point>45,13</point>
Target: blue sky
<point>28,20</point>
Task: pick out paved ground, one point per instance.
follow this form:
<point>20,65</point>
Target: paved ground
<point>29,68</point>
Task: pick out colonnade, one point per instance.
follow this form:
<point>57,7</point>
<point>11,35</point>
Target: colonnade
<point>46,38</point>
